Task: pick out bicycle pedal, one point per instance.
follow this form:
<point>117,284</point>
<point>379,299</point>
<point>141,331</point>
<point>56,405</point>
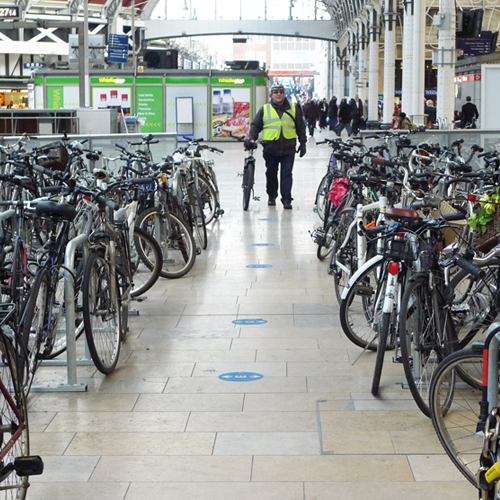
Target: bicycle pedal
<point>28,466</point>
<point>364,290</point>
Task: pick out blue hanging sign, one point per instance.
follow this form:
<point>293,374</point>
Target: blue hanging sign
<point>262,244</point>
<point>117,48</point>
<point>241,376</point>
<point>249,321</point>
<point>259,266</point>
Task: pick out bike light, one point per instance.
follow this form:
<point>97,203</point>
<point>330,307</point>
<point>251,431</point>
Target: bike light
<point>394,268</point>
<point>472,197</point>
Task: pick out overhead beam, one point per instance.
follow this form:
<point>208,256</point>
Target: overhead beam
<point>320,30</point>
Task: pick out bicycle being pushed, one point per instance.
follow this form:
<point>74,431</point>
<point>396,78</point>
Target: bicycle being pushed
<point>248,171</point>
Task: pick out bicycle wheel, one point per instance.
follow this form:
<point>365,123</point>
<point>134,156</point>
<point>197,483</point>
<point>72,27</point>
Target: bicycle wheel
<point>327,244</point>
<point>473,308</point>
<point>199,226</point>
<point>342,261</point>
<point>361,310</point>
<point>208,199</point>
<point>101,313</point>
<point>175,239</point>
<point>145,261</point>
<point>321,198</point>
<point>454,409</point>
<point>248,181</point>
<point>420,328</point>
<point>14,422</point>
<point>34,326</point>
<point>383,335</point>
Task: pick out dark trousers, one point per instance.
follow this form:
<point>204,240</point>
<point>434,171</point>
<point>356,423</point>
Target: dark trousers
<point>311,125</point>
<point>286,178</point>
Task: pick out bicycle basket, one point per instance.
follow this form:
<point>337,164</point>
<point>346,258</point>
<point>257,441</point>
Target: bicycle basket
<point>397,248</point>
<point>484,242</point>
<point>57,156</point>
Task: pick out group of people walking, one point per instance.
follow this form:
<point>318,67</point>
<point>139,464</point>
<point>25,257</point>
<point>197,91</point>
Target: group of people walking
<point>334,115</point>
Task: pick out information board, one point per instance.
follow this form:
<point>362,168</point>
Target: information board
<point>149,100</point>
<point>117,48</point>
<point>184,110</point>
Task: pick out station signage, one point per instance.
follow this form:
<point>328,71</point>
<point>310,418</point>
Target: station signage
<point>10,12</point>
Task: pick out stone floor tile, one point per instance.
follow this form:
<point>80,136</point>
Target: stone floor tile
<point>66,469</point>
<point>118,421</point>
<point>191,333</point>
<point>91,402</point>
<point>346,443</point>
<point>390,490</point>
<point>274,343</point>
<point>189,402</point>
<point>267,443</point>
<point>302,355</point>
<point>77,491</point>
<point>201,356</point>
<point>252,422</point>
<point>295,402</point>
<point>416,441</point>
<point>434,468</point>
<point>322,468</point>
<point>215,491</point>
<point>141,443</point>
<point>186,469</point>
<point>48,443</point>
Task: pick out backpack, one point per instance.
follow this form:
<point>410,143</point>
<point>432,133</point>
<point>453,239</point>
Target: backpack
<point>338,191</point>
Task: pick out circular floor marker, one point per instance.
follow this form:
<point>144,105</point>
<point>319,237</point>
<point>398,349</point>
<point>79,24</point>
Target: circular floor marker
<point>262,244</point>
<point>267,218</point>
<point>240,376</point>
<point>259,266</point>
<point>250,321</point>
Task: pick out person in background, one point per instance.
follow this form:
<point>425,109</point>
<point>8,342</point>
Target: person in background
<point>405,123</point>
<point>395,121</point>
<point>344,118</point>
<point>356,114</point>
<point>469,114</point>
<point>10,105</point>
<point>332,112</point>
<point>323,113</point>
<point>430,111</point>
<point>311,114</point>
<point>281,124</point>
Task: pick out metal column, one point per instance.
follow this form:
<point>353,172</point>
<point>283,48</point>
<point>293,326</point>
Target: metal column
<point>418,62</point>
<point>444,58</point>
<point>352,63</point>
<point>362,79</point>
<point>406,94</point>
<point>389,60</point>
<point>374,66</point>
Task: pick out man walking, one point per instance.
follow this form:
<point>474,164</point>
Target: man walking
<point>281,123</point>
<point>469,114</point>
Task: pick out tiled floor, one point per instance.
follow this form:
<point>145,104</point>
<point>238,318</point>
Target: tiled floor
<point>164,426</point>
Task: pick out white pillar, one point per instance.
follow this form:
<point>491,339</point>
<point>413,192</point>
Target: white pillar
<point>406,95</point>
<point>362,79</point>
<point>445,58</point>
<point>418,62</point>
<point>352,63</point>
<point>389,59</point>
<point>373,35</point>
<point>338,73</point>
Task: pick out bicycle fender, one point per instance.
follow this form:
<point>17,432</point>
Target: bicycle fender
<point>357,274</point>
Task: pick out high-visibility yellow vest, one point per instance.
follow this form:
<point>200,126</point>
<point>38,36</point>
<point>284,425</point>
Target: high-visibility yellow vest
<point>273,124</point>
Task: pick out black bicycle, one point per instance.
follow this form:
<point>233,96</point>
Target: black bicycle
<point>248,171</point>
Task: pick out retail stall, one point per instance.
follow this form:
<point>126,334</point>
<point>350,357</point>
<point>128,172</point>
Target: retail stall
<point>223,102</point>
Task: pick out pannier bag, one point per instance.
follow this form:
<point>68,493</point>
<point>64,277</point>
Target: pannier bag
<point>338,191</point>
<point>57,156</point>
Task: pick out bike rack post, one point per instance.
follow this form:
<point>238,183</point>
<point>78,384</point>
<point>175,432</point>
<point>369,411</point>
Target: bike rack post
<point>493,364</point>
<point>69,302</point>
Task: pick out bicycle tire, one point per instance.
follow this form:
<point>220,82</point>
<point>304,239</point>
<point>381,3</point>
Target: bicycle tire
<point>347,256</point>
<point>199,225</point>
<point>146,260</point>
<point>175,239</point>
<point>101,313</point>
<point>248,181</point>
<point>208,199</point>
<point>421,349</point>
<point>383,335</point>
<point>325,249</point>
<point>13,418</point>
<point>321,198</point>
<point>455,416</point>
<point>361,311</point>
<point>34,325</point>
<point>473,308</point>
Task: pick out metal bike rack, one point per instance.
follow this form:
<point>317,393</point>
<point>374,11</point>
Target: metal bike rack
<point>71,362</point>
<point>493,364</point>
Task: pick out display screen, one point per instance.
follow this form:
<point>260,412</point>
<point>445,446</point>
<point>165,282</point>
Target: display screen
<point>9,12</point>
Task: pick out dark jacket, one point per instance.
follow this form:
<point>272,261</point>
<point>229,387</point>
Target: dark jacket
<point>430,111</point>
<point>281,146</point>
<point>469,111</point>
<point>333,109</point>
<point>355,112</point>
<point>345,112</point>
<point>311,110</point>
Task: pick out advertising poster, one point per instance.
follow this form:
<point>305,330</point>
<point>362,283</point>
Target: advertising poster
<point>230,111</point>
<point>55,97</point>
<point>150,107</point>
<point>119,97</point>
